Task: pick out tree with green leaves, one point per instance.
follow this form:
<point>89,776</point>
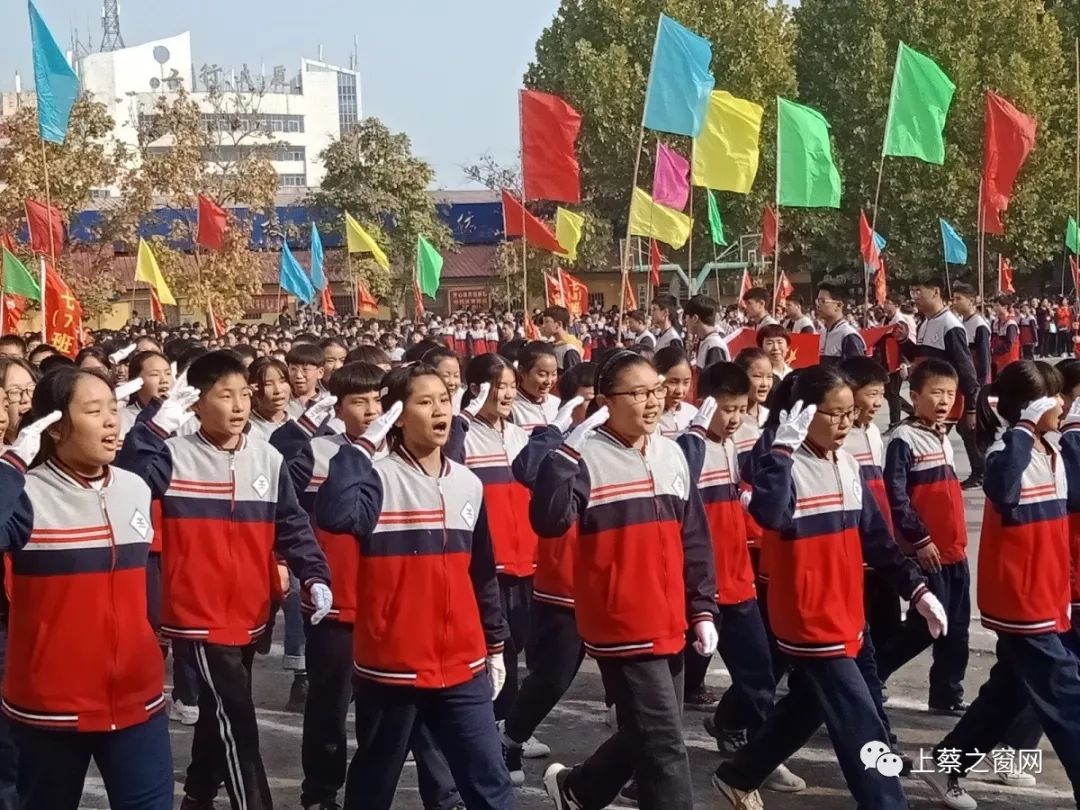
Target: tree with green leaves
<point>372,173</point>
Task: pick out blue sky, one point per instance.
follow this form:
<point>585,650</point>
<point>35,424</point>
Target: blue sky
<point>444,72</point>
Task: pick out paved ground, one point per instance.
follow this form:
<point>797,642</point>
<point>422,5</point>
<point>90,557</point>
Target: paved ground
<point>577,727</point>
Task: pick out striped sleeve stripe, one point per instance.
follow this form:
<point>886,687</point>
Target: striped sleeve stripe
<point>72,536</point>
<point>813,501</point>
<point>609,489</point>
<point>483,459</point>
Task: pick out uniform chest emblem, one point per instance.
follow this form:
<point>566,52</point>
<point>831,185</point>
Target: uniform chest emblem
<point>140,524</point>
<point>261,486</point>
<point>679,486</point>
<point>468,514</point>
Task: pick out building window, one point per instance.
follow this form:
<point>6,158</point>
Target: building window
<point>292,180</point>
<point>348,109</point>
<point>596,300</point>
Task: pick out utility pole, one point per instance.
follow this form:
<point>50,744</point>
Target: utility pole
<point>111,38</point>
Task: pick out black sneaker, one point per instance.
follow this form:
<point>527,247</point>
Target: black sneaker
<point>297,693</point>
<point>701,699</point>
<point>189,803</point>
<point>956,709</point>
<point>512,758</point>
<point>629,793</point>
<point>328,805</point>
<point>972,482</point>
<point>728,742</point>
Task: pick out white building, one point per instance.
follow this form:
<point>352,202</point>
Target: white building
<point>292,118</point>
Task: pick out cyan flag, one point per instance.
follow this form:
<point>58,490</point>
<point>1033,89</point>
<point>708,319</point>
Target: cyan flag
<point>879,241</point>
<point>952,244</point>
<point>679,80</point>
<point>56,84</point>
<point>318,280</point>
<point>292,277</point>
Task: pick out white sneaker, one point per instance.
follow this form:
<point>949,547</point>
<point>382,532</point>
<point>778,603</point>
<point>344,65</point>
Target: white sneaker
<point>784,781</point>
<point>532,748</point>
<point>553,786</point>
<point>947,788</point>
<point>738,799</point>
<point>1014,777</point>
<point>183,714</point>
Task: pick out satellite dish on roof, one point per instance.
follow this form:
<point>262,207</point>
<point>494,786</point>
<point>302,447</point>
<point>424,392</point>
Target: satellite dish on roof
<point>161,54</point>
<point>155,84</point>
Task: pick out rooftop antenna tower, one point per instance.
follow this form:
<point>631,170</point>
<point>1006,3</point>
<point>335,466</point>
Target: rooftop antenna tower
<point>111,38</point>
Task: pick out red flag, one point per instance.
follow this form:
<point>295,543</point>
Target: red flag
<point>14,309</point>
<point>365,301</point>
<point>219,326</point>
<point>882,339</point>
<point>629,299</point>
<point>867,243</point>
<point>1009,136</point>
<point>769,231</point>
<point>745,287</point>
<point>654,263</point>
<point>549,165</point>
<point>804,350</point>
<point>575,293</point>
<point>213,222</point>
<point>1005,274</point>
<point>328,307</point>
<point>517,221</point>
<point>46,227</point>
<point>531,332</point>
<point>881,285</point>
<point>63,314</point>
<point>157,312</point>
<point>745,338</point>
<point>418,299</point>
<point>7,241</point>
<point>553,295</point>
<point>784,290</point>
<point>1074,265</point>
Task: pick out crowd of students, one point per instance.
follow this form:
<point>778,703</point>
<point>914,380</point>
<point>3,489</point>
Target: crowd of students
<point>431,525</point>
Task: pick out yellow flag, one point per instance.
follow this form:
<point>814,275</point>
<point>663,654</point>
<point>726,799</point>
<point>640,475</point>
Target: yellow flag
<point>568,227</point>
<point>146,269</point>
<point>726,152</point>
<point>360,241</point>
<point>659,222</point>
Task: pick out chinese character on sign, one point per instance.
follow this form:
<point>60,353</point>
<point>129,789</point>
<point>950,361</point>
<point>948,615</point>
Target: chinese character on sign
<point>1029,761</point>
<point>978,762</point>
<point>948,760</point>
<point>1004,760</point>
<point>925,763</point>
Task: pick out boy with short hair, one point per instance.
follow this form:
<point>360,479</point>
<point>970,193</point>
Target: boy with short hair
<point>554,323</point>
<point>798,321</point>
<point>699,315</point>
<point>978,335</point>
<point>637,325</point>
<point>306,365</point>
<point>663,311</point>
<point>928,513</point>
<point>756,303</point>
<point>228,508</point>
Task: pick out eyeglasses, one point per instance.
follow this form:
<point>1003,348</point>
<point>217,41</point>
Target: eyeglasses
<point>837,418</point>
<point>822,301</point>
<point>19,393</point>
<point>642,394</point>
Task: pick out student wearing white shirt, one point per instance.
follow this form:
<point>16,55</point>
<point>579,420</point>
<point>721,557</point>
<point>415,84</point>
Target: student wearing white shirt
<point>674,367</point>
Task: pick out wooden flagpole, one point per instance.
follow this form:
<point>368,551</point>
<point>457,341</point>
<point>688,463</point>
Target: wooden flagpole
<point>877,190</point>
<point>524,241</point>
<point>52,242</point>
<point>776,213</point>
<point>690,249</point>
<point>980,247</point>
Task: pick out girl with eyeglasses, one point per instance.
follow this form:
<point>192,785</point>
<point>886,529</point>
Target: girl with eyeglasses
<point>18,379</point>
<point>643,571</point>
<point>820,525</point>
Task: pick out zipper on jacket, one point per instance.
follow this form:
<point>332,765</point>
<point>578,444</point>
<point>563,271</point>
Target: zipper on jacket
<point>227,618</point>
<point>446,582</point>
<point>112,600</point>
<point>659,532</point>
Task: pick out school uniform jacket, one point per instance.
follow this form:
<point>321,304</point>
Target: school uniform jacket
<point>553,580</point>
<point>669,337</point>
<point>746,438</point>
<point>527,413</point>
<point>1070,455</point>
<point>943,336</point>
<point>643,563</point>
<point>839,341</point>
<point>924,492</point>
<point>711,350</point>
<point>978,337</point>
<point>713,465</point>
<point>820,526</point>
<point>678,419</point>
<point>1024,561</point>
<point>225,515</point>
<point>489,453</point>
<point>1006,343</point>
<point>801,325</point>
<point>428,611</point>
<point>81,655</point>
<point>867,448</point>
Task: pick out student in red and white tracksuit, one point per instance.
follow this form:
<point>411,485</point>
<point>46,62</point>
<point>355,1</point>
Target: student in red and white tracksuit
<point>1024,578</point>
<point>538,369</point>
<point>84,672</point>
<point>821,523</point>
<point>643,573</point>
<point>428,629</point>
<point>228,507</point>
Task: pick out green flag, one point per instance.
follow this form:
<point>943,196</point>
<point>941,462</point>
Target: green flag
<point>921,95</point>
<point>716,225</point>
<point>1072,237</point>
<point>17,279</point>
<point>808,176</point>
<point>428,267</point>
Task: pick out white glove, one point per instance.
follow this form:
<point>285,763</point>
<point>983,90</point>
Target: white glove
<point>28,442</point>
<point>794,426</point>
<point>565,417</point>
<point>1073,416</point>
<point>322,599</point>
<point>707,638</point>
<point>930,609</point>
<point>744,498</point>
<point>579,435</point>
<point>375,435</point>
<point>704,416</point>
<point>176,410</point>
<point>178,382</point>
<point>496,669</point>
<point>122,354</point>
<point>127,390</point>
<point>455,400</point>
<point>477,402</point>
<point>317,413</point>
<point>1035,409</point>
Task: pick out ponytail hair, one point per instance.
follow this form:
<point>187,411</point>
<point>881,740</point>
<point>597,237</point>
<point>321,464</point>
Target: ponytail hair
<point>782,398</point>
<point>1019,383</point>
<point>484,368</point>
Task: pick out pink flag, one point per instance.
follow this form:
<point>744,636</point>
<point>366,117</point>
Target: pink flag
<point>671,180</point>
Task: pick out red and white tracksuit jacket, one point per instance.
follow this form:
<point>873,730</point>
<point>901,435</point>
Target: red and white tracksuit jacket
<point>81,654</point>
<point>924,492</point>
<point>1070,455</point>
<point>820,525</point>
<point>643,563</point>
<point>712,463</point>
<point>428,611</point>
<point>225,515</point>
<point>745,438</point>
<point>1024,555</point>
<point>527,413</point>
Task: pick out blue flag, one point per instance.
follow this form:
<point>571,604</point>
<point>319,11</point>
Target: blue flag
<point>677,96</point>
<point>879,241</point>
<point>952,244</point>
<point>292,277</point>
<point>318,279</point>
<point>56,84</point>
